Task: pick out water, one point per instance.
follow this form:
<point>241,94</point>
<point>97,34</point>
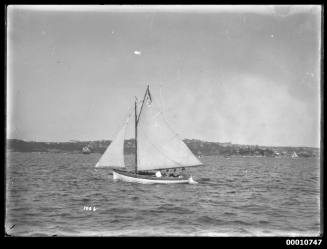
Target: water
<point>241,196</point>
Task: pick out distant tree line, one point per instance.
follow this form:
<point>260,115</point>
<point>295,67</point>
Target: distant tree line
<point>198,147</point>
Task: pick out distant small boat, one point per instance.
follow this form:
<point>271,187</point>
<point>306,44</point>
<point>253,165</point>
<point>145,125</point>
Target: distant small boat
<point>86,150</point>
<point>294,155</point>
<point>156,148</point>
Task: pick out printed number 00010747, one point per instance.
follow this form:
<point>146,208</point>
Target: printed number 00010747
<point>303,242</point>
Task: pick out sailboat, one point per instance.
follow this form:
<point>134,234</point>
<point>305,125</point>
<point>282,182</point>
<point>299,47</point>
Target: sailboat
<point>294,155</point>
<point>157,148</point>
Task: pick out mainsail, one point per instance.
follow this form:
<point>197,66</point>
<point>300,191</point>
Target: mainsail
<point>158,147</point>
<point>114,154</point>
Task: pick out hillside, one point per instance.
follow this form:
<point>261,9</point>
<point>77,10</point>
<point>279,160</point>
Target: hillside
<point>198,147</point>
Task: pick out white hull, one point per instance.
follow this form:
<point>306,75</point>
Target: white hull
<point>139,179</point>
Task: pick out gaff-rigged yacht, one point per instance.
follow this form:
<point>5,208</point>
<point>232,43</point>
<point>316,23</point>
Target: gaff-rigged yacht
<point>156,148</point>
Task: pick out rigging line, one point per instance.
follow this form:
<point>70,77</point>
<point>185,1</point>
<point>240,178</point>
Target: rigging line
<point>125,128</point>
<point>174,137</point>
<point>169,139</point>
<point>162,152</point>
<point>126,123</point>
<point>115,137</point>
<point>127,118</point>
<point>161,113</point>
<point>162,102</point>
<point>174,134</point>
<point>169,126</point>
<point>147,93</point>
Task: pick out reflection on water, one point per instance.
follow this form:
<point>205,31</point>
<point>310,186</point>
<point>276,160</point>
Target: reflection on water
<point>47,194</point>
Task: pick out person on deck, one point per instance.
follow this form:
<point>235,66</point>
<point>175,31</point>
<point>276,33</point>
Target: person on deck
<point>174,174</point>
<point>183,173</point>
<point>171,174</point>
<point>165,173</point>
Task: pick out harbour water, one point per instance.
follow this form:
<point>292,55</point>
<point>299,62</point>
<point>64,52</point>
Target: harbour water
<point>50,194</point>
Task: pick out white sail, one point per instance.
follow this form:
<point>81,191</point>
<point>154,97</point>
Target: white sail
<point>294,155</point>
<point>157,146</point>
<point>114,154</point>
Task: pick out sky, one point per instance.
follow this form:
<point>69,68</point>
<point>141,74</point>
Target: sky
<point>239,74</point>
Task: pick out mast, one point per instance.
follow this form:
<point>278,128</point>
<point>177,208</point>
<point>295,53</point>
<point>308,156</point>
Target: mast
<point>136,122</point>
<point>135,135</point>
<point>146,92</point>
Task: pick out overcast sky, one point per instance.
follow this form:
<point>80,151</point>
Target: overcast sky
<point>247,75</point>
